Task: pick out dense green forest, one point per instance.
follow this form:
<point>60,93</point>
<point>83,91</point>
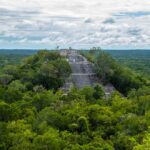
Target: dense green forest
<point>36,115</point>
<point>110,71</point>
<point>137,60</point>
<point>10,57</point>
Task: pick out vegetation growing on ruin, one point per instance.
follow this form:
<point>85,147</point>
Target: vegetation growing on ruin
<point>36,115</point>
<point>110,71</point>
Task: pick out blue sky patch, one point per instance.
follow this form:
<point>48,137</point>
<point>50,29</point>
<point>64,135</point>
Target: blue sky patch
<point>133,14</point>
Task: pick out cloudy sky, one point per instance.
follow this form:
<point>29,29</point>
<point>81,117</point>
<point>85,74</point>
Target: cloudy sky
<point>76,23</point>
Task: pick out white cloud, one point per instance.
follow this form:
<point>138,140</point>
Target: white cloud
<point>79,23</point>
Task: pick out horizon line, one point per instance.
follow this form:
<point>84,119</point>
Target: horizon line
<point>36,49</point>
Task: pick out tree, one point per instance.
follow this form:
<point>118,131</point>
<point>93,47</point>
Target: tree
<point>104,65</point>
<point>145,145</point>
<point>49,141</point>
<point>43,99</point>
<point>12,94</point>
<point>3,135</point>
<point>88,93</point>
<point>5,79</point>
<point>63,67</point>
<point>5,111</point>
<point>16,84</point>
<point>83,124</point>
<point>11,70</point>
<point>20,135</point>
<point>48,77</point>
<point>124,142</point>
<point>134,124</point>
<point>98,92</point>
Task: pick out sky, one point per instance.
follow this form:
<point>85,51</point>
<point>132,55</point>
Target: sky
<point>109,24</point>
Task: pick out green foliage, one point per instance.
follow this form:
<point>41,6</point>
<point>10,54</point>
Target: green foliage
<point>16,84</point>
<point>43,99</point>
<point>9,59</point>
<point>88,93</point>
<point>122,78</point>
<point>98,92</point>
<point>124,142</point>
<point>3,135</point>
<point>20,135</point>
<point>110,71</point>
<point>45,68</point>
<point>5,111</point>
<point>36,115</point>
<point>50,140</point>
<point>12,94</point>
<point>83,124</point>
<point>50,121</point>
<point>145,143</point>
<point>5,79</point>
